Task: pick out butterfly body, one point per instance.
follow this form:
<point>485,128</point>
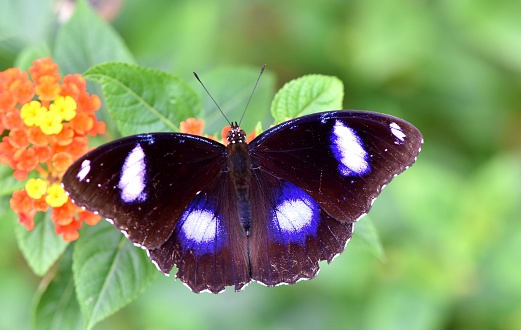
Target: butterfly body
<point>267,211</point>
<point>239,169</point>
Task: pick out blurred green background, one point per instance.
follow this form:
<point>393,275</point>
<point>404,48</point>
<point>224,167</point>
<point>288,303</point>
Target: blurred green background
<point>450,226</point>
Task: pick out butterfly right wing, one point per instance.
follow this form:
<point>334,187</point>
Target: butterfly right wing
<point>316,176</point>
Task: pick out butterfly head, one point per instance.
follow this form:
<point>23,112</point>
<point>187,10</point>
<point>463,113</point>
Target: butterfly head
<point>236,134</point>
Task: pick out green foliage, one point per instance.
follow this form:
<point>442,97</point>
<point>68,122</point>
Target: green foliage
<point>9,183</point>
<point>85,40</point>
<point>143,100</point>
<point>56,305</point>
<point>109,272</point>
<point>366,231</point>
<point>306,95</point>
<point>41,247</point>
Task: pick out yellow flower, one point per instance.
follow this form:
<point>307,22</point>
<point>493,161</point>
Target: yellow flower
<point>51,123</point>
<point>65,107</point>
<point>32,113</point>
<point>56,196</point>
<point>36,188</point>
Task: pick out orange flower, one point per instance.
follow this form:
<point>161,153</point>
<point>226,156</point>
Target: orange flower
<point>192,126</point>
<point>15,87</point>
<point>12,120</point>
<point>27,219</point>
<point>45,135</point>
<point>89,218</point>
<point>69,232</point>
<point>63,215</point>
<point>83,123</point>
<point>43,153</point>
<point>61,161</point>
<point>36,136</point>
<point>21,202</point>
<point>6,101</point>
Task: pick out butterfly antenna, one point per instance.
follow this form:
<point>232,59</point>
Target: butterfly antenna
<point>207,92</point>
<point>253,91</point>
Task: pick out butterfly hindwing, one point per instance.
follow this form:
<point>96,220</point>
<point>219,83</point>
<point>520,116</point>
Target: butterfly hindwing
<point>208,243</point>
<point>291,233</point>
<point>144,183</point>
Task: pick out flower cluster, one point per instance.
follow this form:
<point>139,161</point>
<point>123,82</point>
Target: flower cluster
<point>45,125</point>
<point>196,127</point>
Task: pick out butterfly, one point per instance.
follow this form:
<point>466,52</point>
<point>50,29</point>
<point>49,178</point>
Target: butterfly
<point>267,211</point>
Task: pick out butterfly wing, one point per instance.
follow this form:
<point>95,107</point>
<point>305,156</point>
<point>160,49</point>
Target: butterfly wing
<point>143,183</point>
<point>208,244</point>
<point>168,193</point>
<point>324,172</point>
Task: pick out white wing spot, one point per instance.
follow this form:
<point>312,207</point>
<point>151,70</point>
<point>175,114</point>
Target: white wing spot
<point>348,150</point>
<point>132,181</point>
<point>397,132</point>
<point>293,215</point>
<point>200,226</point>
<point>85,169</point>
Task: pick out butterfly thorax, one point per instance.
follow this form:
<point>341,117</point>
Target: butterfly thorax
<point>239,170</point>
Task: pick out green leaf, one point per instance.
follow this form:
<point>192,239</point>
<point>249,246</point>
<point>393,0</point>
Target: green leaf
<point>41,247</point>
<point>25,58</point>
<point>24,23</point>
<point>306,95</point>
<point>86,40</point>
<point>365,230</point>
<point>145,100</point>
<point>9,183</point>
<point>55,305</point>
<point>109,272</point>
<point>232,96</point>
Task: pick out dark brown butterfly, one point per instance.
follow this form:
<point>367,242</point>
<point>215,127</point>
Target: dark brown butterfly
<point>266,211</point>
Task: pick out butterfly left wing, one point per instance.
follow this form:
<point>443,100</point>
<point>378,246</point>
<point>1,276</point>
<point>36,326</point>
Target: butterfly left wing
<point>324,172</point>
<point>168,193</point>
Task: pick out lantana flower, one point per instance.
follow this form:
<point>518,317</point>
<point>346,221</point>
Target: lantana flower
<point>45,124</point>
